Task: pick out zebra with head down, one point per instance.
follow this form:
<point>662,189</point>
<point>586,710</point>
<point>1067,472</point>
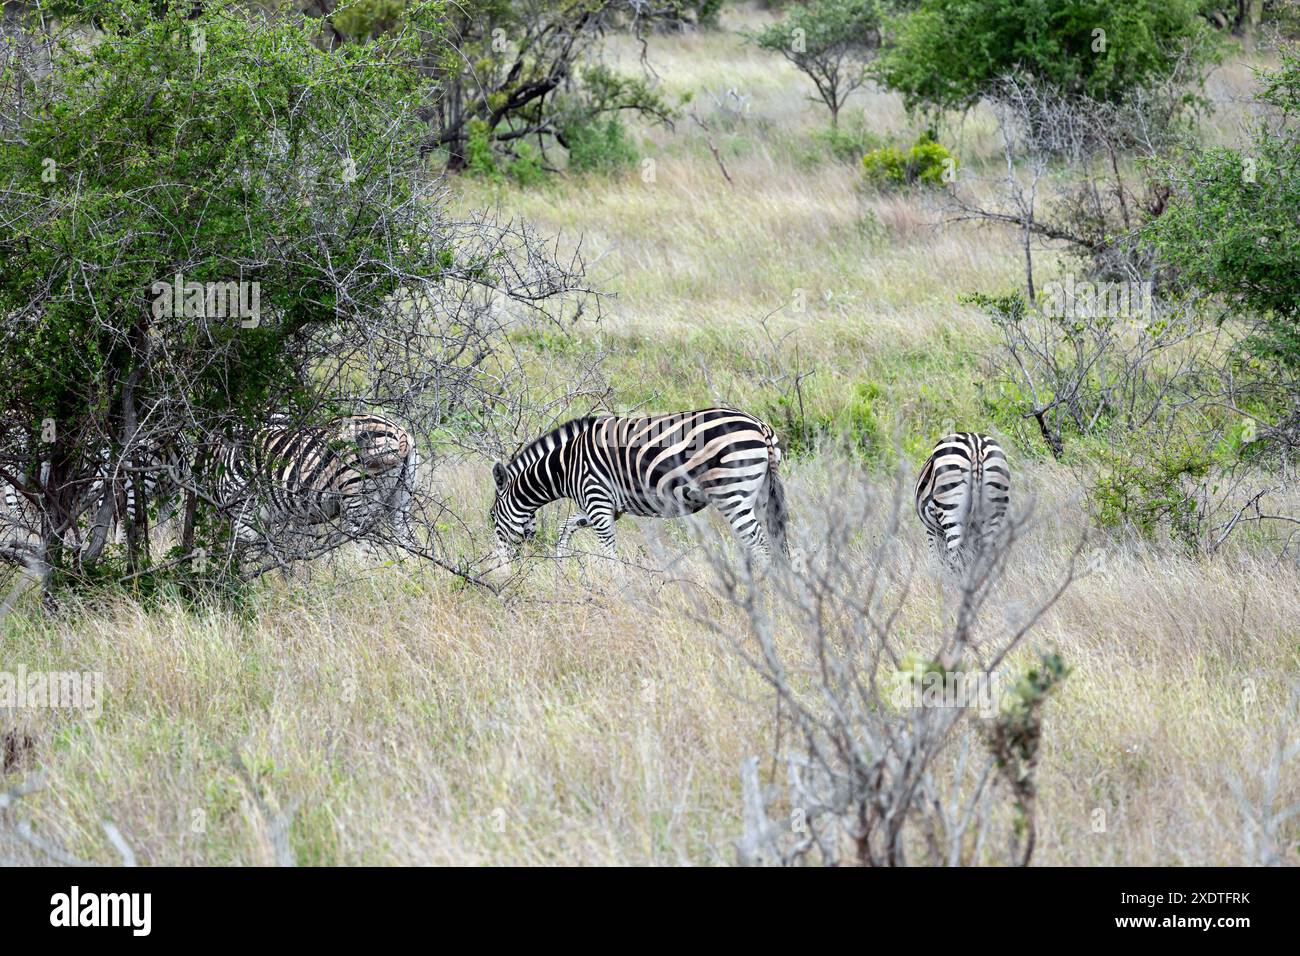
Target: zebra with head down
<point>662,466</point>
<point>354,475</point>
<point>962,496</point>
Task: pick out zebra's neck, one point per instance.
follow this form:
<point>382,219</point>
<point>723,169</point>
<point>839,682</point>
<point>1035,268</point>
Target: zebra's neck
<point>539,473</point>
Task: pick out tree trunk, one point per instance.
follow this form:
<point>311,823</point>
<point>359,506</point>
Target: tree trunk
<point>1247,20</point>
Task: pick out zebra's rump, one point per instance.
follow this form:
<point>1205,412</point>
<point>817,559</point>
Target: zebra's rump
<point>963,491</point>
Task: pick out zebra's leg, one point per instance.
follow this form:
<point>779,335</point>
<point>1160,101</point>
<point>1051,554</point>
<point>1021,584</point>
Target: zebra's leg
<point>404,522</point>
<point>602,520</point>
<point>954,549</point>
<point>747,524</point>
<point>580,520</point>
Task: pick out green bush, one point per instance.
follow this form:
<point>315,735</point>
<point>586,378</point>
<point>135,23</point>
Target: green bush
<point>843,144</point>
<point>600,146</point>
<point>480,160</point>
<point>886,166</point>
<point>1230,228</point>
<point>854,427</point>
<point>1154,489</point>
<point>925,163</point>
<point>524,168</point>
<point>365,19</point>
<point>1096,48</point>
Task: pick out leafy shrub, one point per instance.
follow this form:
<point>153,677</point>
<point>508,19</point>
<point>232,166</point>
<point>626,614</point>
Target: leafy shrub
<point>1154,489</point>
<point>925,163</point>
<point>325,212</point>
<point>886,166</point>
<point>366,19</point>
<point>600,146</point>
<point>854,427</point>
<point>479,157</point>
<point>524,168</point>
<point>1092,47</point>
<point>1229,228</point>
<point>844,145</point>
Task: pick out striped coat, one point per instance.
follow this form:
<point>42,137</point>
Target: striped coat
<point>357,472</point>
<point>962,496</point>
<point>662,466</point>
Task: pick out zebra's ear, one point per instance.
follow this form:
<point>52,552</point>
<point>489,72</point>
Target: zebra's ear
<point>499,475</point>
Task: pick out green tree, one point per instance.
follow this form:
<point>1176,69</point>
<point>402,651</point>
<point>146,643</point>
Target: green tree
<point>1231,226</point>
<point>831,42</point>
<point>1230,230</point>
<point>946,54</point>
<point>222,149</point>
<point>511,71</point>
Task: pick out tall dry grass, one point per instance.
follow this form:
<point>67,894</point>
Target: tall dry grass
<point>391,716</point>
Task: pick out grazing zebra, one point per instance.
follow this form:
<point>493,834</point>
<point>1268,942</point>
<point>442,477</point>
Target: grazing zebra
<point>16,525</point>
<point>115,478</point>
<point>962,496</point>
<point>359,469</point>
<point>664,467</point>
<point>154,472</point>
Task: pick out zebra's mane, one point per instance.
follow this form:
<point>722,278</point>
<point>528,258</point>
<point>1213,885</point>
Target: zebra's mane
<point>556,436</point>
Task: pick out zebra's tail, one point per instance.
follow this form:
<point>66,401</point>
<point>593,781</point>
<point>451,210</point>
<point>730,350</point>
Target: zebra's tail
<point>776,514</point>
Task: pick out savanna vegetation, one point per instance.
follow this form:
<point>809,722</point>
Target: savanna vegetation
<point>489,217</point>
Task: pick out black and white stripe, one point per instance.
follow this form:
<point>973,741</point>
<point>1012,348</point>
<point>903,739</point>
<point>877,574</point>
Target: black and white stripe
<point>663,466</point>
<point>358,470</point>
<point>962,496</point>
<point>20,518</point>
<point>154,473</point>
<point>19,524</point>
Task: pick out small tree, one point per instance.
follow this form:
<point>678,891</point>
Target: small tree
<point>211,221</point>
<point>946,54</point>
<point>522,75</point>
<point>829,41</point>
<point>893,747</point>
<point>1230,228</point>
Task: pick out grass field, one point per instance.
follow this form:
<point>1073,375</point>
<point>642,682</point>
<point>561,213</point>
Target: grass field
<point>392,715</point>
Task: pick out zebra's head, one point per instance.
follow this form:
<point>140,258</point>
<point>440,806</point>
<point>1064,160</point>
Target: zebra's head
<point>512,521</point>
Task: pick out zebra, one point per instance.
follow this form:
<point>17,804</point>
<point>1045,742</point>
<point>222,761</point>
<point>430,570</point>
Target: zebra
<point>109,490</point>
<point>962,496</point>
<point>154,473</point>
<point>663,466</point>
<point>20,519</point>
<point>359,469</point>
<point>17,526</point>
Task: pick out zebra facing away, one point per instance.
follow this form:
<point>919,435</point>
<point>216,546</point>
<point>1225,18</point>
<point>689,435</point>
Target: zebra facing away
<point>962,496</point>
<point>358,469</point>
<point>664,466</point>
